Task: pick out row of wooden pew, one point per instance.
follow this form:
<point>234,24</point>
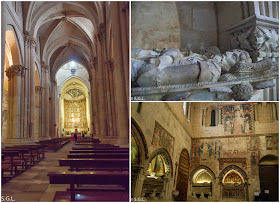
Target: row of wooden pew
<point>55,143</point>
<point>17,159</point>
<point>96,172</point>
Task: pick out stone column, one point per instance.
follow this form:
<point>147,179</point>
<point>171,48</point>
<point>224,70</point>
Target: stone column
<point>101,110</point>
<point>110,67</point>
<point>110,115</point>
<point>3,39</point>
<point>22,102</point>
<point>47,105</point>
<point>53,108</point>
<point>38,104</point>
<point>14,74</point>
<point>26,86</point>
<point>32,89</point>
<point>121,70</point>
<point>95,121</point>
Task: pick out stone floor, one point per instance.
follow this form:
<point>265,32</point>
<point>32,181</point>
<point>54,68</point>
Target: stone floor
<point>33,184</point>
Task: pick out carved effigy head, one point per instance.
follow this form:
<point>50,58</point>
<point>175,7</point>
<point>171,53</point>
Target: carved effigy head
<point>230,58</point>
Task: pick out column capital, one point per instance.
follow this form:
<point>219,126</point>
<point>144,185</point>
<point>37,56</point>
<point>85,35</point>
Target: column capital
<point>110,64</point>
<point>125,7</point>
<point>23,71</point>
<point>38,89</point>
<point>27,38</point>
<point>44,66</point>
<point>94,61</point>
<point>101,29</point>
<point>33,42</point>
<point>14,70</point>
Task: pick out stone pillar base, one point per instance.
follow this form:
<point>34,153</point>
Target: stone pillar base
<point>123,141</point>
<point>108,140</point>
<point>43,138</point>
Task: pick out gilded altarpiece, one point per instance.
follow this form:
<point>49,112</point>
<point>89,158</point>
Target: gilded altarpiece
<point>75,115</point>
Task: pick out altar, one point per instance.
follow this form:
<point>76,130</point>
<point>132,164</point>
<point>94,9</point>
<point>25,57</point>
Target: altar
<point>79,134</point>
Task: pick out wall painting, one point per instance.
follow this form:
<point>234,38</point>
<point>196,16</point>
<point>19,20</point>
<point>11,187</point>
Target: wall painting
<point>238,119</point>
<point>162,138</point>
<point>205,151</point>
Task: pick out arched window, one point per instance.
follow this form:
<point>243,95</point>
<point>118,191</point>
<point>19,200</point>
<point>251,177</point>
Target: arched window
<point>213,118</point>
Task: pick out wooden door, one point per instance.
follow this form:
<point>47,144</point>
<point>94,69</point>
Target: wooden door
<point>269,180</point>
<point>183,175</point>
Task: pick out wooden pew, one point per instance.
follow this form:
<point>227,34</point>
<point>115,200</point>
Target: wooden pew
<point>99,155</point>
<point>96,148</point>
<point>87,140</point>
<point>34,152</point>
<point>95,178</point>
<point>9,163</point>
<point>95,164</point>
<point>55,144</point>
<point>99,151</point>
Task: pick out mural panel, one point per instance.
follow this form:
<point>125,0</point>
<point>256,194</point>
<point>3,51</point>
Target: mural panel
<point>271,142</point>
<point>238,119</point>
<point>162,138</point>
<point>134,152</point>
<point>205,151</point>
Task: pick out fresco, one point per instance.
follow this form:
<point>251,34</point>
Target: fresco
<point>203,177</point>
<point>217,149</point>
<point>238,119</point>
<point>205,151</point>
<point>162,138</point>
<point>194,155</point>
<point>271,142</point>
<point>134,152</point>
<point>156,167</point>
<point>233,177</point>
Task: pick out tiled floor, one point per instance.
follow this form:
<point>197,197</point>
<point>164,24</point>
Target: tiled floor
<point>33,185</point>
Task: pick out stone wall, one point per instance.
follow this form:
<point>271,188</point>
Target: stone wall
<point>173,25</point>
<point>228,14</point>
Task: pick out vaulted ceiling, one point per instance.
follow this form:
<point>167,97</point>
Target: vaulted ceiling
<point>65,30</point>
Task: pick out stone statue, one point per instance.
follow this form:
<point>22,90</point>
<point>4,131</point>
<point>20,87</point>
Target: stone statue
<point>161,68</point>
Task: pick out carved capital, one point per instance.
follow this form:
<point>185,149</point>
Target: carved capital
<point>33,42</point>
<point>110,64</point>
<point>125,7</point>
<point>38,89</point>
<point>101,31</point>
<point>15,70</point>
<point>259,41</point>
<point>94,62</point>
<point>23,71</point>
<point>44,66</point>
<point>27,38</point>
